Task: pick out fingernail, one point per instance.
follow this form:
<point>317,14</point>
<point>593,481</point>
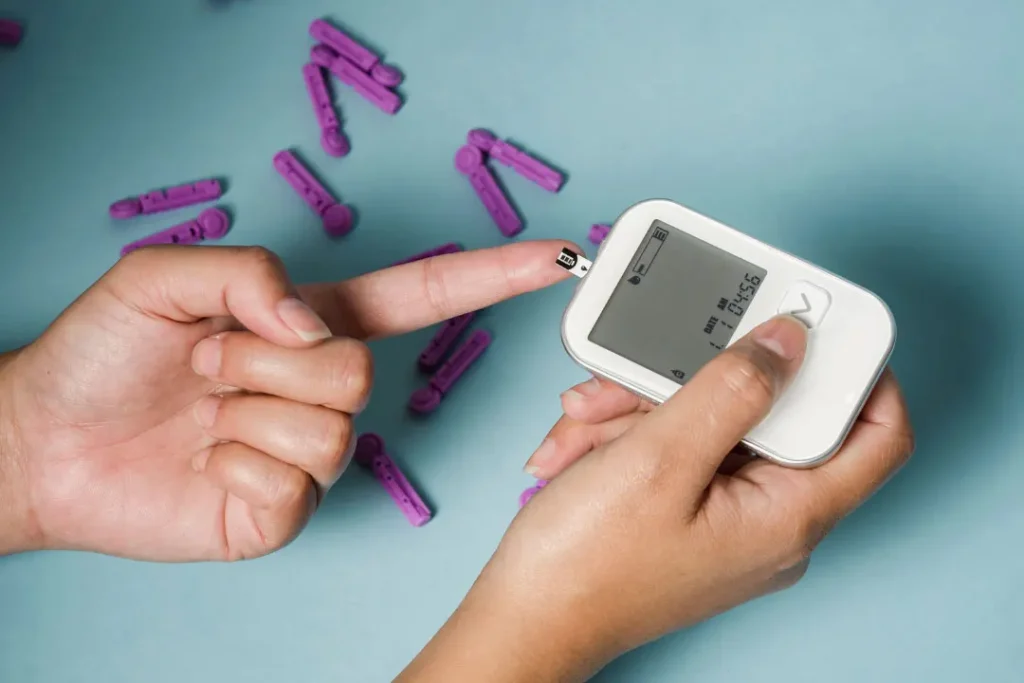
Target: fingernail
<point>205,411</point>
<point>301,320</point>
<point>206,357</point>
<point>540,458</point>
<point>580,394</point>
<point>784,336</point>
<point>199,460</point>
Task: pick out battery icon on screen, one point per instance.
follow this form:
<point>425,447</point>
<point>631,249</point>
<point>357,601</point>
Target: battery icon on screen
<point>646,260</point>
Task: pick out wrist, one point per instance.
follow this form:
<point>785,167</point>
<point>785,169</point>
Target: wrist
<point>16,526</point>
<point>498,637</point>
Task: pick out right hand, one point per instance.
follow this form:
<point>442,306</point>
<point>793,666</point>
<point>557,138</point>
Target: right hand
<point>662,524</point>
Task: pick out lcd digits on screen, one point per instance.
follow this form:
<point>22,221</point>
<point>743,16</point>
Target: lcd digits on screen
<point>678,303</point>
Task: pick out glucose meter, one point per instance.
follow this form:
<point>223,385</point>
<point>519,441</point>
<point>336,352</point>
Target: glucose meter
<point>670,289</point>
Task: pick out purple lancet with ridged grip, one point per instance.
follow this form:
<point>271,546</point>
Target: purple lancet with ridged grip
<point>443,341</point>
<point>428,399</point>
<point>526,165</point>
<point>343,44</point>
<point>371,454</point>
<point>360,81</point>
<point>156,201</point>
<point>469,161</point>
<point>337,218</point>
<point>332,139</point>
<point>211,224</point>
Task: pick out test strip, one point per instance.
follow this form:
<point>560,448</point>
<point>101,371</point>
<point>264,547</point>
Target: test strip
<point>332,139</point>
<point>176,197</point>
<point>10,32</point>
<point>211,224</point>
<point>337,218</point>
<point>449,248</point>
<point>360,81</point>
<point>450,331</point>
<point>371,453</point>
<point>527,166</point>
<point>577,264</point>
<point>344,44</point>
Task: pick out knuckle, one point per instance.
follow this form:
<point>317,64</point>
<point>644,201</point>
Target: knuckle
<point>333,440</point>
<point>790,576</point>
<point>290,486</point>
<point>436,289</point>
<point>747,379</point>
<point>262,261</point>
<point>352,376</point>
<point>906,444</point>
<point>799,537</point>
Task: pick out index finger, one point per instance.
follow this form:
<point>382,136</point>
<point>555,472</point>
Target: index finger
<point>414,295</point>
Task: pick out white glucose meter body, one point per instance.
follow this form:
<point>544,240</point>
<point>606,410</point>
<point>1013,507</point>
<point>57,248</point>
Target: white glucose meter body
<point>670,288</point>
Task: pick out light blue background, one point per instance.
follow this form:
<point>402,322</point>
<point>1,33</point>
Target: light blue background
<point>879,138</point>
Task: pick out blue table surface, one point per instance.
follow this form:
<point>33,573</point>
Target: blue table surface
<point>879,138</point>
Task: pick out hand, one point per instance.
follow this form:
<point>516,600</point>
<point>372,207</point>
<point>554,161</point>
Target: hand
<point>194,405</point>
<point>663,524</point>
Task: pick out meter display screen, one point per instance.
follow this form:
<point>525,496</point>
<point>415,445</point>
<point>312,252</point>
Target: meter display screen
<point>677,304</point>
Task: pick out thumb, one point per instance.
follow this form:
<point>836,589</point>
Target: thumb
<point>692,433</point>
<point>188,284</point>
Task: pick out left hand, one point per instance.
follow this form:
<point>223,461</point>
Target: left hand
<point>194,405</point>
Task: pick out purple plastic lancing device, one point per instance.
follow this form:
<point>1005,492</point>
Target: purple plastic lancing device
<point>167,200</point>
<point>481,138</point>
<point>337,218</point>
<point>526,166</point>
<point>10,32</point>
<point>449,248</point>
<point>371,454</point>
<point>598,232</point>
<point>355,52</point>
<point>211,224</point>
<point>529,493</point>
<point>360,81</point>
<point>343,44</point>
<point>332,139</point>
<point>469,160</point>
<point>444,340</point>
<point>428,399</point>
